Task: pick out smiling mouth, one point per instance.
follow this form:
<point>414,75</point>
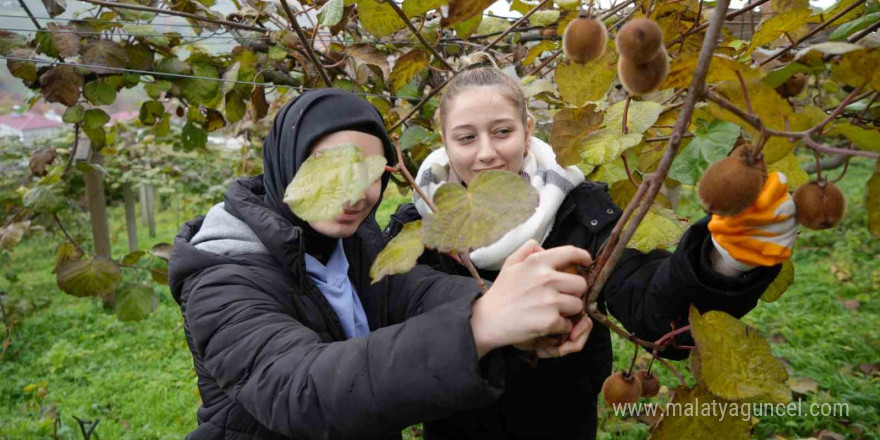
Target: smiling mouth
<point>492,168</point>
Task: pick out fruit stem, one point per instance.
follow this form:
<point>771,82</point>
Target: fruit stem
<point>623,126</point>
<point>628,171</point>
<point>632,363</point>
<point>818,166</point>
<point>742,83</point>
<point>667,338</point>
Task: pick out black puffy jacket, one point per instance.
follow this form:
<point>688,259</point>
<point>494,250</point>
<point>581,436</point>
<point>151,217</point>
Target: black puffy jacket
<point>647,293</point>
<point>269,351</point>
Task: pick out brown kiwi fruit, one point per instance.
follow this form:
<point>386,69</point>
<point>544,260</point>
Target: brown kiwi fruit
<point>732,184</point>
<point>584,39</point>
<point>819,204</point>
<point>793,86</point>
<point>640,79</point>
<point>650,383</point>
<point>639,40</point>
<point>620,388</point>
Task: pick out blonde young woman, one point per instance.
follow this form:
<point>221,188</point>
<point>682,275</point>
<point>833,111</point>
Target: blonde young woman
<point>719,264</point>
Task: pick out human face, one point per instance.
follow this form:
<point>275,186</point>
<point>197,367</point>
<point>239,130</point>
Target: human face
<point>484,131</point>
<point>345,224</point>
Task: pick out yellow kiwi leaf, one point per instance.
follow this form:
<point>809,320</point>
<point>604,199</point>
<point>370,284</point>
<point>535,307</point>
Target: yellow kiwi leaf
<point>463,10</point>
<point>773,110</point>
<point>537,50</point>
<point>326,181</point>
<point>88,277</point>
<point>687,416</point>
<point>570,127</point>
<point>781,283</point>
<point>378,18</point>
<point>400,254</point>
<point>735,361</point>
<point>789,166</point>
<point>858,68</point>
<point>579,83</point>
<point>864,138</point>
<point>660,229</point>
<point>407,67</point>
<point>838,8</point>
<point>776,26</point>
<point>872,202</point>
<point>722,68</point>
<point>639,118</point>
<point>469,218</point>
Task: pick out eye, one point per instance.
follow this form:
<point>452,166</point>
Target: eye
<point>465,139</point>
<point>503,131</point>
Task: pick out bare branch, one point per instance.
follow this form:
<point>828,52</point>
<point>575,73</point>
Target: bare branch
<point>31,15</point>
<point>815,31</point>
<point>216,21</point>
<point>418,34</point>
<point>650,186</point>
<point>309,49</point>
<point>729,16</point>
<point>514,25</point>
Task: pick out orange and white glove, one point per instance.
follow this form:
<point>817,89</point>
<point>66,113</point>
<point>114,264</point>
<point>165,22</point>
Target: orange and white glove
<point>763,234</point>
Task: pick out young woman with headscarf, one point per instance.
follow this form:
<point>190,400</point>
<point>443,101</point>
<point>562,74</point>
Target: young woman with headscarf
<point>290,339</point>
<point>724,264</point>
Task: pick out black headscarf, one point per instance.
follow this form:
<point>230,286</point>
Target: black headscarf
<point>297,127</point>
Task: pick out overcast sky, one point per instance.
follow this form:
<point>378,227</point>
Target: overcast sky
<point>502,7</point>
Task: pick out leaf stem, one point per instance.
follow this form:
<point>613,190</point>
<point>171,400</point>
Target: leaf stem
<point>69,238</point>
<point>310,51</point>
<point>809,34</point>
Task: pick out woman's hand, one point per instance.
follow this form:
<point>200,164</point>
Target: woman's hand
<point>531,298</point>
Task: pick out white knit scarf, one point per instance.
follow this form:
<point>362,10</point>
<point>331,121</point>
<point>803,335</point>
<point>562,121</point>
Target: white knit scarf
<point>552,181</point>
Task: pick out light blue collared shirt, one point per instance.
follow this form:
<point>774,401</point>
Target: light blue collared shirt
<point>332,280</point>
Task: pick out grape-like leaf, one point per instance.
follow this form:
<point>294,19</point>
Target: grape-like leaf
<point>258,102</point>
<point>872,203</point>
<point>331,12</point>
<point>493,203</point>
<point>399,255</point>
<point>660,229</point>
<point>640,116</point>
<point>88,277</point>
<point>864,138</point>
<point>461,10</point>
<point>132,257</point>
<point>135,302</point>
<point>73,114</point>
<point>570,127</point>
<point>854,26</point>
<point>379,18</point>
<point>44,199</point>
<point>735,361</point>
<point>193,137</point>
<point>65,43</point>
<point>781,283</point>
<point>858,68</point>
<point>544,18</point>
<point>776,26</point>
<point>686,416</point>
<point>55,7</point>
<point>838,8</point>
<point>326,181</point>
<point>162,250</point>
<point>95,118</point>
<point>418,7</point>
<point>151,111</point>
<point>61,84</point>
<point>407,67</point>
<point>773,110</point>
<point>368,54</point>
<point>712,141</point>
<point>200,91</point>
<point>12,234</point>
<point>25,70</point>
<point>722,68</point>
<point>99,92</point>
<point>579,83</point>
<point>104,53</point>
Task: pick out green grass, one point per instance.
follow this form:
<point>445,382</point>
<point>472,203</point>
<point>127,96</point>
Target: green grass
<point>70,357</point>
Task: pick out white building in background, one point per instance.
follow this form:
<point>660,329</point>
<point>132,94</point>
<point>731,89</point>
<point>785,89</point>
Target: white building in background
<point>29,127</point>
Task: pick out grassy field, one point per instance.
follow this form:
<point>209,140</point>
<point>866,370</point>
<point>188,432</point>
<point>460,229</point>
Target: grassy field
<point>70,358</point>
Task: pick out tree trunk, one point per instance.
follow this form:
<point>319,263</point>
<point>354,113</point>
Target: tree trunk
<point>130,219</point>
<point>148,209</point>
<point>94,181</point>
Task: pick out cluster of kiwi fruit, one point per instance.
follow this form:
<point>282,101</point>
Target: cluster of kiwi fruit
<point>642,65</point>
<point>731,185</point>
<point>623,387</point>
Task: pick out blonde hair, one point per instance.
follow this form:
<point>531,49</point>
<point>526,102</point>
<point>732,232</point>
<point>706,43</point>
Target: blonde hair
<point>480,70</point>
